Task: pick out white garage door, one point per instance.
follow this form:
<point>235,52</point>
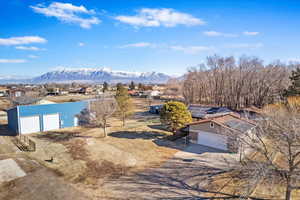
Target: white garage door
<point>29,124</point>
<point>51,122</point>
<point>212,140</point>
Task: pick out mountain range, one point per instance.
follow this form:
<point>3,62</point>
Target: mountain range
<point>91,75</point>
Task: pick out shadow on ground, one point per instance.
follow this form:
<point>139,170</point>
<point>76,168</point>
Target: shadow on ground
<point>60,136</point>
<point>5,131</point>
<point>158,138</point>
<point>198,149</point>
<point>158,127</point>
<point>137,134</point>
<point>176,179</point>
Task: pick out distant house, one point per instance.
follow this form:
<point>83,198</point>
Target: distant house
<point>159,87</point>
<point>99,91</point>
<point>133,92</point>
<point>204,112</point>
<point>30,101</point>
<point>64,92</point>
<point>46,117</point>
<point>53,91</point>
<point>221,132</point>
<point>13,93</point>
<point>86,90</point>
<point>155,109</point>
<point>152,93</point>
<point>3,91</point>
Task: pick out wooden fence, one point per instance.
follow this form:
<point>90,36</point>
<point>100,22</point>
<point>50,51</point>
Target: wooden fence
<point>24,143</point>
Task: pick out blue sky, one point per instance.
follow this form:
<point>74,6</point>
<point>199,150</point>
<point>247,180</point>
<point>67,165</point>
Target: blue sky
<point>142,35</point>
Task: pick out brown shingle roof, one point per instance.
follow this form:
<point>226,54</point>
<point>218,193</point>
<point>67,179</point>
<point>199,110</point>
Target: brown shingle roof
<point>229,121</point>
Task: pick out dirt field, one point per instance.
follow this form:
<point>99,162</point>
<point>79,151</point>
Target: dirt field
<point>85,160</point>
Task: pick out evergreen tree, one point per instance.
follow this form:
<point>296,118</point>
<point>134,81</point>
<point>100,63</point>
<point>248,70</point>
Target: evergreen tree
<point>141,86</point>
<point>175,115</point>
<point>125,106</point>
<point>105,87</point>
<point>294,88</point>
<point>132,86</point>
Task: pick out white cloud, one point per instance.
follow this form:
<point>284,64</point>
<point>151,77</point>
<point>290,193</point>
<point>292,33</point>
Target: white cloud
<point>245,45</point>
<point>22,40</point>
<point>250,33</point>
<point>32,56</point>
<point>184,49</point>
<point>69,13</point>
<point>218,34</point>
<point>12,61</point>
<point>81,44</point>
<point>166,17</point>
<point>29,48</point>
<point>191,49</point>
<point>139,44</point>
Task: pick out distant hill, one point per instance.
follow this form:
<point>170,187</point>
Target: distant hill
<point>93,75</point>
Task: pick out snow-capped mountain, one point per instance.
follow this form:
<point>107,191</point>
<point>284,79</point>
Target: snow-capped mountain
<point>100,75</point>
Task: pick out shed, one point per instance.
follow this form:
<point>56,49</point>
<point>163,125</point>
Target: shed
<point>38,118</point>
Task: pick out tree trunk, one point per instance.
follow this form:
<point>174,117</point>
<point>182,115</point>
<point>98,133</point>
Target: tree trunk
<point>104,128</point>
<point>123,119</point>
<point>288,192</point>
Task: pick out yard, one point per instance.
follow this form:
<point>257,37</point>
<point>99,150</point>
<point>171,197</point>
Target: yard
<point>83,158</point>
<point>132,162</point>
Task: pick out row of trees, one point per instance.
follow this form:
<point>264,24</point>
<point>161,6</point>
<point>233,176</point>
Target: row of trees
<point>224,81</point>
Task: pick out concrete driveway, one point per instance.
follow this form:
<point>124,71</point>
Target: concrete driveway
<point>186,176</point>
<point>207,156</point>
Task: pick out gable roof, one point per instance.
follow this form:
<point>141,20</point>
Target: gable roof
<point>199,111</point>
<point>230,121</point>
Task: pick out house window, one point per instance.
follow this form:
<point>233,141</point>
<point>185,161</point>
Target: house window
<point>212,125</point>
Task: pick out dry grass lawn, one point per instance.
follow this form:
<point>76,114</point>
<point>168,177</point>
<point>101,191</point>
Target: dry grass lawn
<point>85,159</point>
<point>225,184</point>
<point>69,98</point>
<point>4,103</point>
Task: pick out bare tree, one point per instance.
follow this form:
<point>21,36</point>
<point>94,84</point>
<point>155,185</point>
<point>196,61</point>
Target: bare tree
<point>30,97</point>
<point>273,151</point>
<point>223,81</point>
<point>100,110</point>
<point>149,100</point>
<point>173,87</point>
